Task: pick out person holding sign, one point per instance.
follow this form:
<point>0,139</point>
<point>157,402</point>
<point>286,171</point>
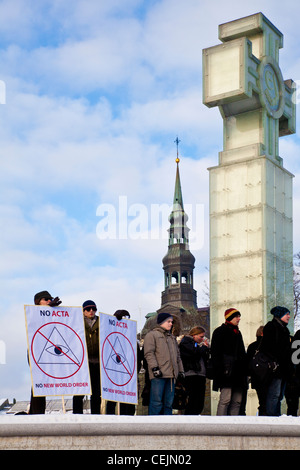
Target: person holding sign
<point>164,364</point>
<point>91,323</point>
<point>125,408</point>
<point>38,404</point>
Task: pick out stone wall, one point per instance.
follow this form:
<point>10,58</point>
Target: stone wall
<point>137,433</point>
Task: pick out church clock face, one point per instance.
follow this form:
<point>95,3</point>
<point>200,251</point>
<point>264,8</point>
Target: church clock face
<point>271,87</point>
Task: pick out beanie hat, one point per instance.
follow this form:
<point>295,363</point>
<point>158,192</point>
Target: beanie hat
<point>44,294</point>
<point>89,303</point>
<point>230,313</point>
<point>197,330</point>
<point>279,312</point>
<point>162,317</point>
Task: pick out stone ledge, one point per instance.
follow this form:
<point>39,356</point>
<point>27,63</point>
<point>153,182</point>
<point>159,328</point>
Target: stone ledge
<point>88,432</point>
<point>93,425</point>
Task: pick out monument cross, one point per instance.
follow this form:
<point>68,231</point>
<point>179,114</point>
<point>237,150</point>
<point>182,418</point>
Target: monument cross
<point>242,77</point>
<point>251,227</point>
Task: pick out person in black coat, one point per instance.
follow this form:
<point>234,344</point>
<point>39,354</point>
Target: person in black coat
<point>194,354</point>
<point>256,384</point>
<point>229,364</point>
<point>292,391</point>
<point>276,344</point>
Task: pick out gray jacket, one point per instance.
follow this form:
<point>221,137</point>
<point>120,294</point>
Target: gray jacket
<point>161,350</point>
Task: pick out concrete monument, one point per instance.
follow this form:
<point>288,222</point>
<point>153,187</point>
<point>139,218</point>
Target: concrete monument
<point>251,231</point>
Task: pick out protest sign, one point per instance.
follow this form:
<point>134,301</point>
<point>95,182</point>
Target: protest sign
<point>118,358</point>
<point>57,350</point>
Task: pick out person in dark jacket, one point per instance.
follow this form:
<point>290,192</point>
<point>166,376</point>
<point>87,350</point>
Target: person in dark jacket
<point>91,324</point>
<point>194,353</point>
<point>276,344</point>
<point>256,384</point>
<point>229,364</point>
<point>292,391</point>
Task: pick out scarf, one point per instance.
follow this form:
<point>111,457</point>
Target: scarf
<point>235,328</point>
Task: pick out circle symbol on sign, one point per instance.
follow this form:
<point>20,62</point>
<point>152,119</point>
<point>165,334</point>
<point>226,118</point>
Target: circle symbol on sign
<point>118,359</point>
<point>57,350</point>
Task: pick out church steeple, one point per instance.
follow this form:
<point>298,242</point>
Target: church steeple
<point>177,194</point>
<point>179,263</point>
<point>178,231</point>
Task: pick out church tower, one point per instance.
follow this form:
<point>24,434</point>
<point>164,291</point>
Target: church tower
<point>179,298</point>
<point>179,263</point>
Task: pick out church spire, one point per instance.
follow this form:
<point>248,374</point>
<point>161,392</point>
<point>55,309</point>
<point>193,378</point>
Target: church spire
<point>178,231</point>
<point>178,193</point>
<point>179,263</point>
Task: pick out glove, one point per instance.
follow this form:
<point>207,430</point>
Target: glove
<point>181,376</point>
<point>55,302</point>
<point>157,372</point>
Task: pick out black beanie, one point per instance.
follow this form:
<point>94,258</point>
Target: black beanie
<point>162,317</point>
<point>279,312</point>
<point>89,303</point>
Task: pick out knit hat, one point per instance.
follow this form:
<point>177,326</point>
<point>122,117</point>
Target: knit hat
<point>44,294</point>
<point>162,317</point>
<point>89,303</point>
<point>196,330</point>
<point>279,312</point>
<point>230,313</point>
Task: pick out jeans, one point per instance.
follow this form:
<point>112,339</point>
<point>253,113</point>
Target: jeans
<point>275,394</point>
<point>161,396</point>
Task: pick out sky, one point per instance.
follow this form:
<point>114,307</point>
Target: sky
<point>93,95</point>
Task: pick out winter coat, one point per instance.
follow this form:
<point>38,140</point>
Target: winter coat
<point>193,356</point>
<point>228,357</point>
<point>252,348</point>
<point>92,339</point>
<point>161,350</point>
<point>276,344</point>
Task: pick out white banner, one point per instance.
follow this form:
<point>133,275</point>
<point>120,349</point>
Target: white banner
<point>118,358</point>
<point>57,350</point>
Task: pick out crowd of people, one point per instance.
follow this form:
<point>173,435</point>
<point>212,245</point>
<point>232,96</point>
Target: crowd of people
<point>266,366</point>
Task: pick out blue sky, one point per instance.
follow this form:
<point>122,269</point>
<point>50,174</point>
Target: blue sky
<point>96,93</point>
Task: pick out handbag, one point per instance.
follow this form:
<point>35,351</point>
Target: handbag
<point>262,367</point>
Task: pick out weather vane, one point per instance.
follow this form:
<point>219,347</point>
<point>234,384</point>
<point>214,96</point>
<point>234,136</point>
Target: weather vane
<point>176,141</point>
